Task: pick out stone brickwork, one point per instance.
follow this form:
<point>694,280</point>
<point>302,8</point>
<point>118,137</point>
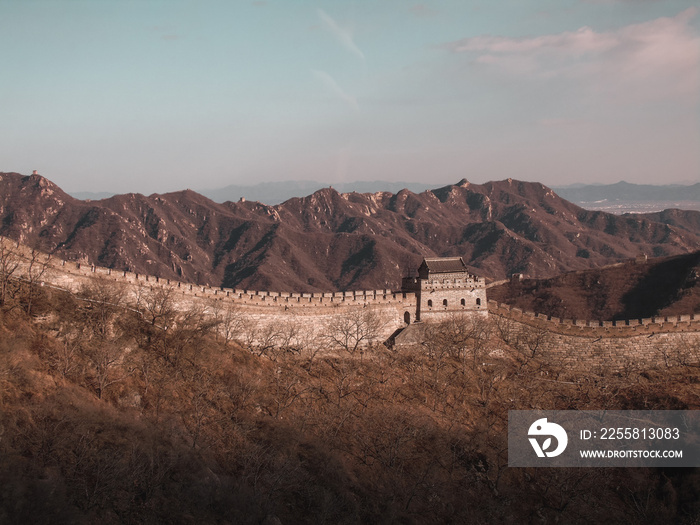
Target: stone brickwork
<point>607,346</point>
<point>258,311</point>
<point>593,343</point>
<point>602,354</point>
<point>445,287</point>
<point>598,328</point>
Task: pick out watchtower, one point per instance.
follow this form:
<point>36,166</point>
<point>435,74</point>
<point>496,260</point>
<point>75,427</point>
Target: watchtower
<point>444,286</point>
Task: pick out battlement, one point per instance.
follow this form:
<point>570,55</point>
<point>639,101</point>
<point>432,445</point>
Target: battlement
<point>440,294</point>
<point>600,328</point>
<point>244,296</point>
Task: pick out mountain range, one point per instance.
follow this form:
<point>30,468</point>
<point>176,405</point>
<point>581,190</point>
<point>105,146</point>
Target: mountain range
<point>335,241</point>
<point>280,191</point>
<point>586,195</point>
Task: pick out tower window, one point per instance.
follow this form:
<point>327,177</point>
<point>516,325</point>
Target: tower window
<point>478,301</point>
<point>444,302</point>
<point>463,302</point>
<point>430,303</point>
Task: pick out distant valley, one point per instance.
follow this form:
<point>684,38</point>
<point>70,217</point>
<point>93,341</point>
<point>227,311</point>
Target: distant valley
<point>623,197</point>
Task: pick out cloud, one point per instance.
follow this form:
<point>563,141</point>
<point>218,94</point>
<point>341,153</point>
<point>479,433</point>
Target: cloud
<point>422,11</point>
<point>655,59</point>
<point>335,88</point>
<point>584,40</point>
<point>342,35</point>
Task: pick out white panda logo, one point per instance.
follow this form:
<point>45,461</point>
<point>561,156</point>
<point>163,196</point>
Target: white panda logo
<point>542,428</point>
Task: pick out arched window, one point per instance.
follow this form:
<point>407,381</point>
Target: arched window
<point>407,317</point>
<point>478,301</point>
<point>463,302</point>
<point>430,303</point>
<point>444,302</point>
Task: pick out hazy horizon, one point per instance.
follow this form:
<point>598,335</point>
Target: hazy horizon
<point>634,198</point>
<point>107,96</point>
<point>392,186</point>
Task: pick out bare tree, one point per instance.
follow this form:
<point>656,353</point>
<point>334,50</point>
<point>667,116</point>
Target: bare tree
<point>461,336</point>
<point>154,315</point>
<point>291,334</point>
<point>105,356</point>
<point>354,329</point>
<point>65,359</point>
<point>198,410</point>
<point>156,306</point>
<point>527,345</point>
<point>9,263</point>
<point>685,353</point>
<point>267,339</point>
<point>534,339</point>
<point>36,268</point>
<point>105,299</point>
<point>230,320</point>
<point>506,328</point>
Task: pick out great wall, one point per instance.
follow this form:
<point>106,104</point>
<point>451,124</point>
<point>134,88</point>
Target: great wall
<point>610,346</point>
<point>588,343</point>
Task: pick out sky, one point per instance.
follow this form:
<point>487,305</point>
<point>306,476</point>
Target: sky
<point>161,95</point>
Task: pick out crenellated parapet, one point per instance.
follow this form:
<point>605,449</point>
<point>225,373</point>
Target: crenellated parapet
<point>600,328</point>
<point>242,296</point>
<point>443,288</point>
<point>259,312</point>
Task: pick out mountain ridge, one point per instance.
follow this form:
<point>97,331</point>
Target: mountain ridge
<point>330,240</point>
<point>272,193</point>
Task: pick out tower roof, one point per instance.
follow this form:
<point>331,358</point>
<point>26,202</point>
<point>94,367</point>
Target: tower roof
<point>444,265</point>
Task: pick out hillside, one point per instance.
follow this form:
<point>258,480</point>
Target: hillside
<point>115,416</point>
<point>332,241</point>
<point>659,287</point>
<point>688,220</point>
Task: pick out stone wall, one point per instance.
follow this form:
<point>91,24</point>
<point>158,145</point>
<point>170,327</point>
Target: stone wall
<point>603,346</point>
<point>259,313</point>
<point>599,328</point>
<point>618,354</point>
<point>592,343</point>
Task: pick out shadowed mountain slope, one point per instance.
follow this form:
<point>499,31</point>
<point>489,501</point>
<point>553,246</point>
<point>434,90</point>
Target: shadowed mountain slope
<point>688,220</point>
<point>658,287</point>
<point>332,241</point>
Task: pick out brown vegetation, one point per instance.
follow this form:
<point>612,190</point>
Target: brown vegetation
<point>117,413</point>
<point>659,287</point>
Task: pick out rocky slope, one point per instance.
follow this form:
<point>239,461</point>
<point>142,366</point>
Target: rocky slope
<point>631,290</point>
<point>333,241</point>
